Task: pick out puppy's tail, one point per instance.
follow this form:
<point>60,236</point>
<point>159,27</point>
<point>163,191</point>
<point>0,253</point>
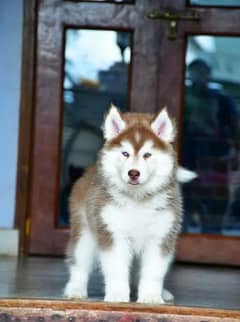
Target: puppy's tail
<point>184,175</point>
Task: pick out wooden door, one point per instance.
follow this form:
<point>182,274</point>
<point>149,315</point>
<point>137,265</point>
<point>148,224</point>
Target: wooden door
<point>156,77</point>
<point>218,23</point>
<point>55,19</point>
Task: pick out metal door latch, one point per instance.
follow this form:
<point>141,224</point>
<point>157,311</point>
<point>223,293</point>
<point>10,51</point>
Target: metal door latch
<point>172,19</point>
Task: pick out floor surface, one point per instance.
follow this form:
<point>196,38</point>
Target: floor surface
<point>192,285</point>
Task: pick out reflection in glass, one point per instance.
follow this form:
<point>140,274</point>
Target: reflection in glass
<point>117,1</point>
<point>224,3</point>
<point>211,135</point>
<point>96,75</point>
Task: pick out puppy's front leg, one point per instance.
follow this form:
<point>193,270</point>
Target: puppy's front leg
<point>115,263</point>
<point>154,267</point>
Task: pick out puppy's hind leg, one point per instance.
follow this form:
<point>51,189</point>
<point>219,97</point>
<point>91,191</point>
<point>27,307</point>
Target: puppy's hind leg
<point>81,267</point>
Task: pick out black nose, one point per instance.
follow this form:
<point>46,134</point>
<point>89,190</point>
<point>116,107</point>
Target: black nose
<point>133,174</point>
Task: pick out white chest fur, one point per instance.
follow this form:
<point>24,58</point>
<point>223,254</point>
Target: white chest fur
<point>138,223</point>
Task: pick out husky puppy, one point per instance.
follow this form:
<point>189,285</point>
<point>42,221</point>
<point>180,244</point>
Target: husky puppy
<point>128,204</point>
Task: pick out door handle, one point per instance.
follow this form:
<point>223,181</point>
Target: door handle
<point>172,19</point>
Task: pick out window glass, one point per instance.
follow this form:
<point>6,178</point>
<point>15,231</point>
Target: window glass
<point>224,3</point>
<point>210,135</point>
<point>96,74</point>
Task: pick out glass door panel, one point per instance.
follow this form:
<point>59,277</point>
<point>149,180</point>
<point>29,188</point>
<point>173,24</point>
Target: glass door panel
<point>216,3</point>
<point>104,1</point>
<point>96,74</point>
<point>210,135</point>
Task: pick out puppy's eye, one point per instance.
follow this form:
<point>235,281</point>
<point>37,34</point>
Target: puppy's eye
<point>125,154</point>
<point>147,155</point>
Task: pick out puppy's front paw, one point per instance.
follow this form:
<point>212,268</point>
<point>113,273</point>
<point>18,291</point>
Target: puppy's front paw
<point>150,298</point>
<point>116,298</point>
<point>168,297</point>
<point>117,295</point>
<point>73,292</point>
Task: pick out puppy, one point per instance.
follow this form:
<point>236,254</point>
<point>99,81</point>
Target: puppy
<point>128,205</point>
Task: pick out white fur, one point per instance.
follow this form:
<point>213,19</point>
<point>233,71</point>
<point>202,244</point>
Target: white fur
<point>137,137</point>
<point>154,171</point>
<point>153,270</point>
<point>136,224</point>
<point>115,263</point>
<point>136,229</point>
<point>84,254</point>
<point>185,175</point>
<point>113,124</point>
<point>163,127</point>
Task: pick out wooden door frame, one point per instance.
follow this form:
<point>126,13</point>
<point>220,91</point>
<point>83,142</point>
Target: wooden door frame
<point>45,237</point>
<point>221,249</point>
<point>25,139</point>
<point>198,248</point>
<point>25,148</point>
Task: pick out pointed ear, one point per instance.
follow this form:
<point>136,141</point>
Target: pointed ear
<point>113,124</point>
<point>163,127</point>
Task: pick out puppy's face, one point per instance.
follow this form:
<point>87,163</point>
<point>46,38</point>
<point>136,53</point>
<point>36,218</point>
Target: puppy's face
<point>137,157</point>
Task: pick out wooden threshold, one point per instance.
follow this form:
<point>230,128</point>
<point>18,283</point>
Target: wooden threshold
<point>63,310</point>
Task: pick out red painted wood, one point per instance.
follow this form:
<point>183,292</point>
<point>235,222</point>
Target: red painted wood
<point>44,310</point>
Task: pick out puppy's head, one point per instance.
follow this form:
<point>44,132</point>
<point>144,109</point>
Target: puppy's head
<point>138,154</point>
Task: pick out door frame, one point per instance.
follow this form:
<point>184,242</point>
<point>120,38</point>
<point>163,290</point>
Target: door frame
<point>187,242</point>
<point>221,249</point>
<point>26,126</point>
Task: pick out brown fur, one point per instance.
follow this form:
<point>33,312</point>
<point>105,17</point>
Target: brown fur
<point>96,199</point>
<point>78,196</point>
<point>91,191</point>
<point>88,191</point>
<point>144,134</point>
<point>175,203</point>
<point>139,123</point>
